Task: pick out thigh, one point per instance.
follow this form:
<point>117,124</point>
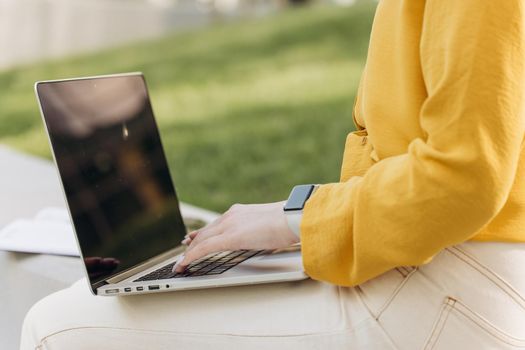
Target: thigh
<point>468,297</point>
<point>303,315</point>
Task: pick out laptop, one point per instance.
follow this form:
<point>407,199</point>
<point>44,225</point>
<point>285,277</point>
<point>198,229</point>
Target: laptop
<point>121,198</point>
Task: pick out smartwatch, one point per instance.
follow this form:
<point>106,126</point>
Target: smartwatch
<point>293,209</point>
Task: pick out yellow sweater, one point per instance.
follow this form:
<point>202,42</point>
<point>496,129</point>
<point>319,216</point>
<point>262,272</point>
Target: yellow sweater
<point>438,158</point>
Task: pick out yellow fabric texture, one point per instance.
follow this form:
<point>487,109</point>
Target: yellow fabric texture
<point>438,157</point>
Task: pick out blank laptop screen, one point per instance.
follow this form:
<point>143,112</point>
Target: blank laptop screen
<point>113,169</point>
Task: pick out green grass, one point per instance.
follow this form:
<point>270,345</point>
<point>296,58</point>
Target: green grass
<point>246,110</point>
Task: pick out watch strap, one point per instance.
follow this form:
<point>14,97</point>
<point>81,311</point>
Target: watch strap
<point>294,221</point>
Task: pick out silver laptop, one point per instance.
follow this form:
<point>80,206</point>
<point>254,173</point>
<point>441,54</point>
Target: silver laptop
<point>121,197</point>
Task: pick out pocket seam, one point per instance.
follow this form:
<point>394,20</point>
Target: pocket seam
<point>360,295</point>
<point>449,305</point>
<point>395,293</point>
<point>406,272</point>
<point>504,286</point>
<point>439,324</point>
<point>486,326</point>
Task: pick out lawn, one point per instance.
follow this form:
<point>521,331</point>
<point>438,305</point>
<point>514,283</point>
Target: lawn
<point>246,109</point>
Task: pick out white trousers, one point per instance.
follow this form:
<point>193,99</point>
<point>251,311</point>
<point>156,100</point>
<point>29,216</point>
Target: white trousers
<point>471,296</point>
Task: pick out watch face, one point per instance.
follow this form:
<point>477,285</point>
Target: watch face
<point>298,197</point>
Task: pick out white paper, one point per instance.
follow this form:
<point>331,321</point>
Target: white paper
<point>50,232</point>
<point>53,214</point>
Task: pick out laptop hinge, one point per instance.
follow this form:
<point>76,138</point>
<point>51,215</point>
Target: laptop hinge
<point>99,284</point>
<point>145,265</point>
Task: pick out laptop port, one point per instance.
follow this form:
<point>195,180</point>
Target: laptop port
<point>112,291</point>
<point>127,289</point>
<point>139,289</point>
<point>153,287</point>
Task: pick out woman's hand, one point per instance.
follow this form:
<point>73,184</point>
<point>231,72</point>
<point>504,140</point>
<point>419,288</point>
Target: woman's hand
<point>252,226</point>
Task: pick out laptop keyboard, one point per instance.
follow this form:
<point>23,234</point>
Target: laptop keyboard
<point>214,264</point>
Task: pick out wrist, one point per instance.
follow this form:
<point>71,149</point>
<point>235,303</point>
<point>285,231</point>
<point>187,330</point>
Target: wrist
<point>293,209</point>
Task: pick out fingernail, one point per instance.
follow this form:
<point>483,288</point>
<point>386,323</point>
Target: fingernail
<point>176,265</point>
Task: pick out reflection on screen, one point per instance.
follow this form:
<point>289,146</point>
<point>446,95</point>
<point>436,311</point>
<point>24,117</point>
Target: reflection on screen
<point>114,171</point>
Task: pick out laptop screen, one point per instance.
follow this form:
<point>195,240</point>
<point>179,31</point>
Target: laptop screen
<point>113,169</point>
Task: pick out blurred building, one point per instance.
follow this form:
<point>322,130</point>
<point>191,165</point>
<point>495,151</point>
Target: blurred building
<point>32,30</point>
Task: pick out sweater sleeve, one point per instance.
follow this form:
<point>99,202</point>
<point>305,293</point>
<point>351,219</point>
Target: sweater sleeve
<point>449,184</point>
